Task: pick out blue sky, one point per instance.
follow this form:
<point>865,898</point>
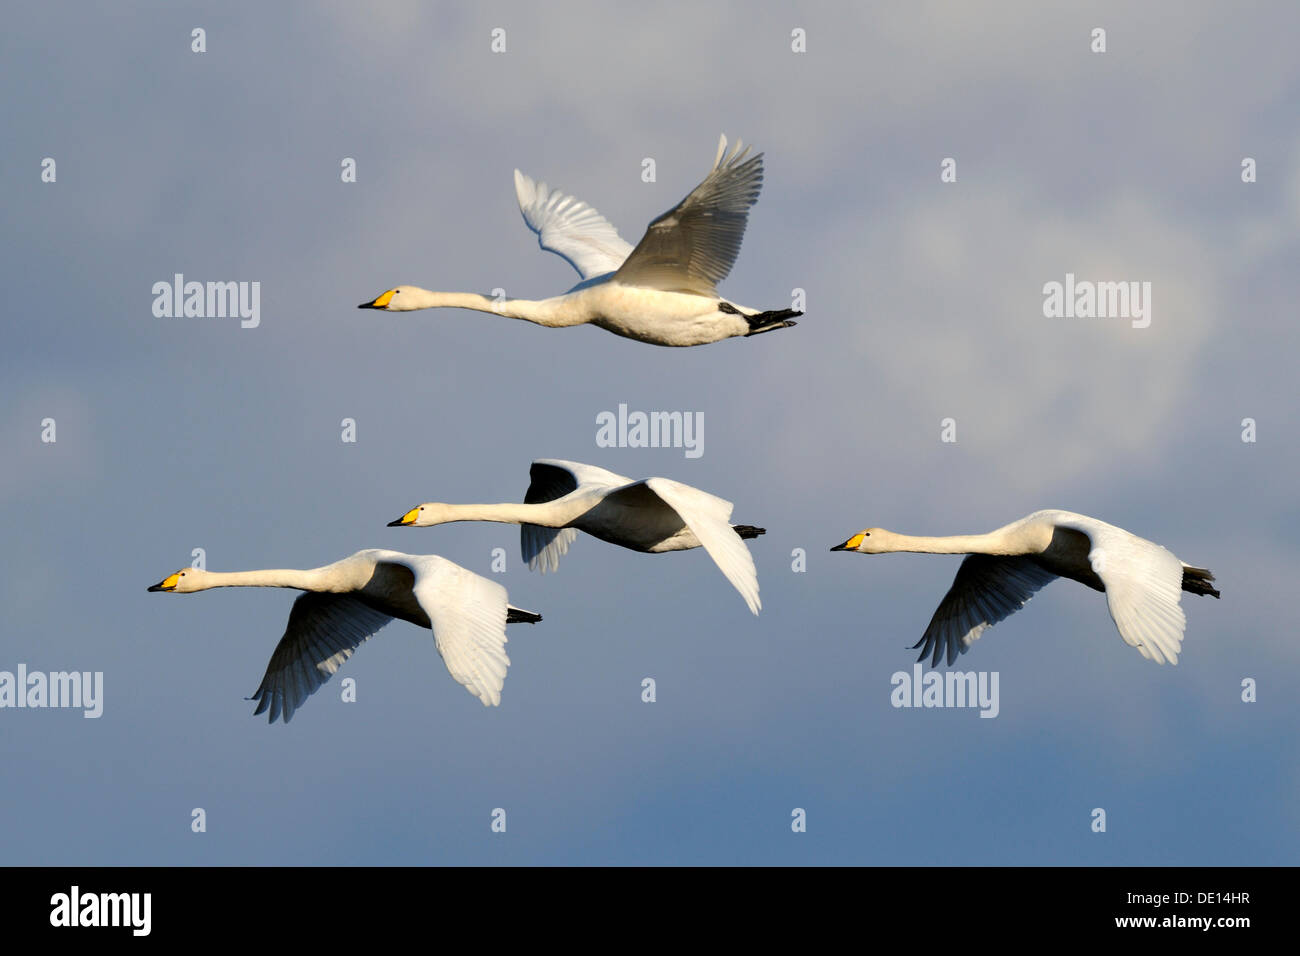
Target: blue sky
<point>924,301</point>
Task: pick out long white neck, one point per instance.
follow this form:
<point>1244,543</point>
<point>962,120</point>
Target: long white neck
<point>274,578</point>
<point>506,513</point>
<point>953,544</point>
<point>556,312</point>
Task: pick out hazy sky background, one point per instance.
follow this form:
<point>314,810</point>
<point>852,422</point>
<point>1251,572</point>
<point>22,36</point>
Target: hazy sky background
<point>924,301</point>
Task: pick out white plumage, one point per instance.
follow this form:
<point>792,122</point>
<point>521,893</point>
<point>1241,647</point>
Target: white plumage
<point>652,515</point>
<point>1143,581</point>
<point>348,601</point>
<point>663,292</point>
<point>570,228</point>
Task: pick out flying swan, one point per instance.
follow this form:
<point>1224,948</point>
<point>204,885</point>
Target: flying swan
<point>1142,580</point>
<point>651,515</point>
<point>348,601</point>
<point>663,292</point>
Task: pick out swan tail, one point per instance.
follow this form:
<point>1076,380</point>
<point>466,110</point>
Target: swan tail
<point>516,615</point>
<point>1197,581</point>
<point>769,321</point>
<point>748,530</point>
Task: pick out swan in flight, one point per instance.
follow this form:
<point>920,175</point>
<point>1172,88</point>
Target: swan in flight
<point>663,292</point>
<point>1142,581</point>
<point>348,601</point>
<point>651,515</point>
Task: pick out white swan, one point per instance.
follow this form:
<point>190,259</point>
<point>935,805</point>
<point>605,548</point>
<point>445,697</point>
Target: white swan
<point>652,515</point>
<point>348,601</point>
<point>1142,580</point>
<point>662,292</point>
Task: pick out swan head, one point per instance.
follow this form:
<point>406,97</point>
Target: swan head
<point>182,582</point>
<point>393,301</point>
<point>423,516</point>
<point>870,541</point>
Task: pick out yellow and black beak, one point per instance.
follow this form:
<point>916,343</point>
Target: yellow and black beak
<point>404,520</point>
<point>851,544</point>
<point>381,302</point>
<point>167,584</point>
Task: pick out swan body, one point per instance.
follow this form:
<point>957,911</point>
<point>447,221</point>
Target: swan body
<point>652,515</point>
<point>663,292</point>
<point>348,601</point>
<point>1142,580</point>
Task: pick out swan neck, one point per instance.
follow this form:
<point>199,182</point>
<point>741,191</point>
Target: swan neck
<point>273,578</point>
<point>553,313</point>
<point>505,513</point>
<point>951,544</point>
<point>425,299</point>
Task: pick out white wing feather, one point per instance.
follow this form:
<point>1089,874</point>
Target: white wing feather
<point>542,547</point>
<point>323,631</point>
<point>570,228</point>
<point>692,247</point>
<point>709,517</point>
<point>586,477</point>
<point>468,616</point>
<point>1143,587</point>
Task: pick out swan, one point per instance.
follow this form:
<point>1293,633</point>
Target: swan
<point>1142,581</point>
<point>652,515</point>
<point>348,601</point>
<point>662,292</point>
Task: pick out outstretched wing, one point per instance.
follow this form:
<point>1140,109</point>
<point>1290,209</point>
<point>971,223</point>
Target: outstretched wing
<point>709,517</point>
<point>692,247</point>
<point>322,633</point>
<point>986,590</point>
<point>468,615</point>
<point>550,479</point>
<point>1143,587</point>
<point>570,228</point>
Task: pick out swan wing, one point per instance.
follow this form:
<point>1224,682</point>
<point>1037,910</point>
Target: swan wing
<point>692,247</point>
<point>468,615</point>
<point>987,589</point>
<point>549,480</point>
<point>322,633</point>
<point>552,478</point>
<point>709,517</point>
<point>570,228</point>
<point>542,547</point>
<point>1143,587</point>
